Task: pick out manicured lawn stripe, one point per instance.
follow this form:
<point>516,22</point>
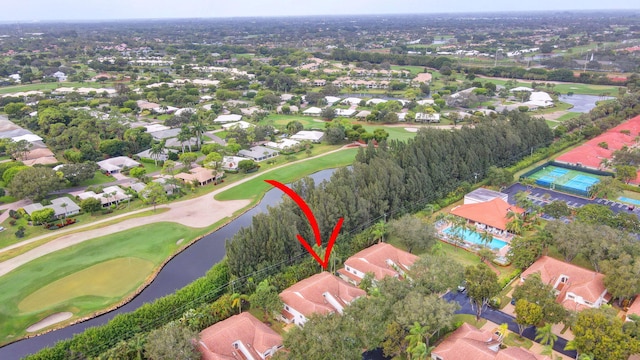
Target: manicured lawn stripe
<point>254,189</point>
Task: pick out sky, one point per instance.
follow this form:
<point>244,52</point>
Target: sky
<point>43,10</point>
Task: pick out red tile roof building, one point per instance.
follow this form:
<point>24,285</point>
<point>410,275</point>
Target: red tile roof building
<point>491,213</point>
<point>380,259</point>
<point>576,288</point>
<point>591,154</point>
<point>467,342</point>
<point>322,293</point>
<point>239,337</point>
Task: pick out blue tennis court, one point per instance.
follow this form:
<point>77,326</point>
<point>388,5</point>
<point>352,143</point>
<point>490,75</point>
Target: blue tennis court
<point>567,180</point>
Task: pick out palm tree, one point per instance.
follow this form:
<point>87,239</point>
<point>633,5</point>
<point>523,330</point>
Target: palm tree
<point>420,351</point>
<point>416,336</point>
<point>545,335</point>
<point>64,214</point>
<point>157,150</point>
<point>198,128</point>
<point>237,300</point>
<point>185,136</point>
<point>378,231</point>
<point>502,331</point>
<point>486,237</point>
<point>515,224</point>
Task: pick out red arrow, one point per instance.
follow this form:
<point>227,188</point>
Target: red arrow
<point>314,225</point>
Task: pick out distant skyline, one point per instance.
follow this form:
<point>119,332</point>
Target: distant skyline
<point>47,10</point>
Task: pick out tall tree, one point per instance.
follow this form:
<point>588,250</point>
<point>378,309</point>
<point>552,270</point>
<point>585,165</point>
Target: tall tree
<point>172,341</point>
<point>34,183</point>
<point>599,332</point>
<point>412,233</point>
<point>527,314</point>
<point>482,285</point>
<point>266,298</point>
<point>154,194</point>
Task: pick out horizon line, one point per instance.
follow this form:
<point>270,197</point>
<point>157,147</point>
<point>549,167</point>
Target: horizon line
<point>87,20</point>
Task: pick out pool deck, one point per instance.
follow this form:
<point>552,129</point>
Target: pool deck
<point>440,227</point>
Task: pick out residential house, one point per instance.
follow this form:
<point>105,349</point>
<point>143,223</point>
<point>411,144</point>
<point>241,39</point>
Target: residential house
<point>331,100</point>
<point>311,135</point>
<point>60,76</point>
<point>231,162</point>
<point>322,293</point>
<point>312,111</point>
<point>351,101</point>
<point>200,175</point>
<point>345,112</point>
<point>163,156</point>
<point>363,114</point>
<point>221,119</point>
<point>490,215</point>
<point>39,156</point>
<point>238,124</point>
<point>241,336</point>
<point>375,102</point>
<point>468,342</point>
<point>258,153</point>
<point>539,99</point>
<point>427,117</point>
<point>634,309</point>
<point>381,260</point>
<point>109,195</point>
<point>576,288</point>
<point>62,207</point>
<point>284,144</point>
<point>117,164</point>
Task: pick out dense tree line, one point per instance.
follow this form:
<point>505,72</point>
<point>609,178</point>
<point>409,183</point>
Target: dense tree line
<point>389,180</point>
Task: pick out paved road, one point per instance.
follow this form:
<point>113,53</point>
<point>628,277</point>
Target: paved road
<point>499,317</point>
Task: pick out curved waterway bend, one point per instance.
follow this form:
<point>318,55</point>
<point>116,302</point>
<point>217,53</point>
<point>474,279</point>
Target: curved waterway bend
<point>184,268</point>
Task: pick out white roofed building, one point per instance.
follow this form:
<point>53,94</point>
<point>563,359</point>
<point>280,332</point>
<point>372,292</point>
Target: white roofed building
<point>228,118</point>
<point>310,135</point>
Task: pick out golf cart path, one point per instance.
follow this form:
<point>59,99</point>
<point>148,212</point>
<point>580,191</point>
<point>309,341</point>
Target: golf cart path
<point>187,212</point>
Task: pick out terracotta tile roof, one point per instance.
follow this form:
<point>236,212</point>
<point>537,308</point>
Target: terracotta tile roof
<point>200,174</point>
<point>492,213</point>
<point>590,154</point>
<point>635,307</point>
<point>583,282</point>
<point>308,296</point>
<point>467,342</point>
<point>216,341</point>
<point>375,259</point>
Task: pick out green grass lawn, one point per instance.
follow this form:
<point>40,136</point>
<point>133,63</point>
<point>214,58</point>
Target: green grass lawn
<point>513,339</point>
<point>280,121</point>
<point>98,178</point>
<point>395,132</point>
<point>552,123</point>
<point>415,70</point>
<point>150,243</point>
<point>576,88</point>
<point>568,116</point>
<point>469,319</point>
<point>254,189</point>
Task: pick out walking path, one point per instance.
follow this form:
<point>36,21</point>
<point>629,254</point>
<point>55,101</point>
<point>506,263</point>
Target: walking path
<point>199,212</point>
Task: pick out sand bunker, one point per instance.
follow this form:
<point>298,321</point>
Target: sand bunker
<point>411,129</point>
<point>49,320</point>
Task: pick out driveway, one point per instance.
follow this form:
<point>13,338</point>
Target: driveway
<point>499,317</point>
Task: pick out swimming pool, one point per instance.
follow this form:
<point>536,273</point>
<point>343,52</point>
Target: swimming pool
<point>629,200</point>
<point>474,237</point>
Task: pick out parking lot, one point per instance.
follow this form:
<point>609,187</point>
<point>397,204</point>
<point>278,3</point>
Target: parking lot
<point>541,196</point>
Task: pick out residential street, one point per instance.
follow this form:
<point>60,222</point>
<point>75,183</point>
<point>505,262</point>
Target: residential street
<point>499,317</point>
